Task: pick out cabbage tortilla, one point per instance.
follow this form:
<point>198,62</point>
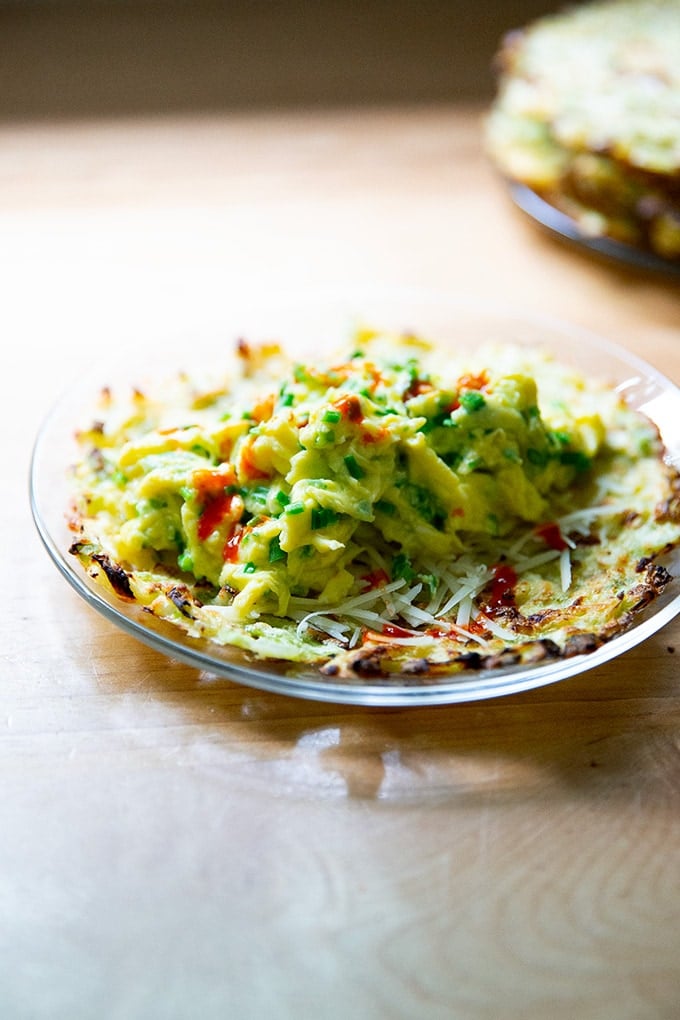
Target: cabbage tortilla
<point>397,508</point>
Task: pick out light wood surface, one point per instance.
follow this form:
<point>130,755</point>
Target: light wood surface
<point>176,846</point>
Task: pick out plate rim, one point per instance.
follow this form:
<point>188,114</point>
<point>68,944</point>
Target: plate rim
<point>563,226</point>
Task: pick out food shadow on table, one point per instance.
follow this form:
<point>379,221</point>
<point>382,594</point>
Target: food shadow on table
<point>599,731</point>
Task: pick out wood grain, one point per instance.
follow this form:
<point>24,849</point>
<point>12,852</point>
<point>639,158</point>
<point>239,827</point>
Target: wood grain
<point>176,845</point>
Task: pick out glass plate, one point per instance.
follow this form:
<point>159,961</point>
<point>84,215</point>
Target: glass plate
<point>563,226</point>
<point>300,323</point>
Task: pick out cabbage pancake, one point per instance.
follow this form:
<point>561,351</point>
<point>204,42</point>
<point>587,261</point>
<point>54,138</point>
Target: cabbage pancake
<point>395,510</point>
<point>588,116</point>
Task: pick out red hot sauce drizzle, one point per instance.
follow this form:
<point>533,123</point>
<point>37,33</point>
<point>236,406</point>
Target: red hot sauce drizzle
<point>211,489</point>
<point>502,591</point>
<point>552,536</point>
<point>350,408</point>
<point>392,630</point>
<point>212,514</point>
<point>231,546</point>
<point>375,579</point>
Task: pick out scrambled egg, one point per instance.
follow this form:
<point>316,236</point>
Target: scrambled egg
<point>387,498</point>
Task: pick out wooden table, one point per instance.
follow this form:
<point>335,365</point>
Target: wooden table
<point>176,846</point>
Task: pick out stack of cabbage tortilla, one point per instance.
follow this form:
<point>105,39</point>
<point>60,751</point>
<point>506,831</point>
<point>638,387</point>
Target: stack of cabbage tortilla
<point>588,116</point>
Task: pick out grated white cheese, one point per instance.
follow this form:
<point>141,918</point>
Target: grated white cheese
<point>464,611</point>
<point>504,633</point>
<point>565,569</point>
<point>535,561</point>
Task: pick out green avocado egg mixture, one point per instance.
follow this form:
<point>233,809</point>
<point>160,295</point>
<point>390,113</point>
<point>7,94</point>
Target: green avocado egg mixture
<point>395,509</point>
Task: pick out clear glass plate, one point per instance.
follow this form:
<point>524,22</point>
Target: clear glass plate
<point>564,227</point>
<point>302,323</point>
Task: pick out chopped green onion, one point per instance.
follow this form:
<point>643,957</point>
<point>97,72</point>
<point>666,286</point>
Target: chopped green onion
<point>331,416</point>
<point>276,553</point>
<point>354,468</point>
<point>322,516</point>
<point>539,458</point>
<point>295,508</point>
<point>472,401</point>
<point>385,507</point>
<point>281,498</point>
<point>324,437</point>
<point>440,420</point>
<point>249,567</point>
<point>421,499</point>
<point>575,458</point>
<point>185,562</point>
<point>401,567</point>
<point>256,498</point>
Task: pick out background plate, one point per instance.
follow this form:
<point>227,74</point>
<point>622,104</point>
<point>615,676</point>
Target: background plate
<point>563,226</point>
<point>304,324</point>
